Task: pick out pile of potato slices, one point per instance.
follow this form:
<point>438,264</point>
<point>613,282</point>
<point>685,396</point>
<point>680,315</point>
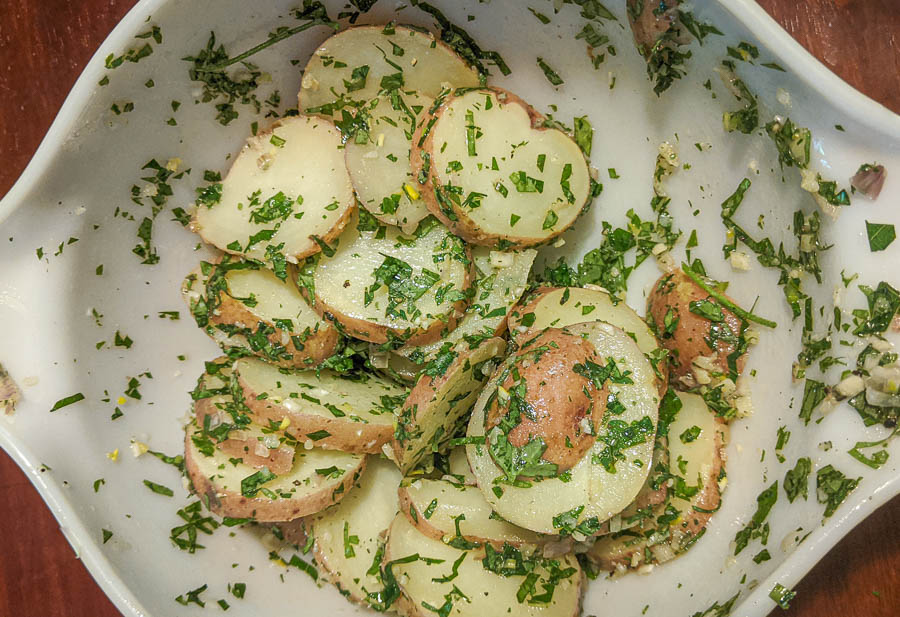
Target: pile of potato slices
<point>396,392</point>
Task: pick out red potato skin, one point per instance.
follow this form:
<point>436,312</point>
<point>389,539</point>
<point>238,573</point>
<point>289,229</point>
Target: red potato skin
<point>457,220</point>
<point>561,398</point>
<point>648,26</point>
<point>674,292</point>
<point>261,509</point>
<point>529,303</point>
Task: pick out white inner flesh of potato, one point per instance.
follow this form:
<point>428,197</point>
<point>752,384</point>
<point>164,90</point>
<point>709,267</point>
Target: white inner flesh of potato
<point>438,503</point>
<point>327,395</point>
<point>501,281</point>
<point>459,466</point>
<point>343,281</point>
<point>427,66</point>
<point>348,534</point>
<point>275,299</point>
<point>597,492</point>
<point>379,167</point>
<point>301,482</point>
<point>570,305</point>
<point>296,187</point>
<point>508,157</point>
<point>693,460</point>
<point>487,594</point>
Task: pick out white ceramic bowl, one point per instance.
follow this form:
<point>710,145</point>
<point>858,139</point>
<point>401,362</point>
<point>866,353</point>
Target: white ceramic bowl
<point>86,166</point>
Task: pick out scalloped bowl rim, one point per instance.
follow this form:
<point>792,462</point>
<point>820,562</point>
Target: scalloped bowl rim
<point>796,58</point>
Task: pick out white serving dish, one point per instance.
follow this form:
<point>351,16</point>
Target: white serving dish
<point>90,158</point>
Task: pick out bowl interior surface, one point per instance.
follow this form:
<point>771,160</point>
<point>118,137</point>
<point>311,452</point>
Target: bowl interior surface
<point>59,316</point>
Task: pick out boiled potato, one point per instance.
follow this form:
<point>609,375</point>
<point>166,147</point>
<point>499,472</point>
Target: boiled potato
<point>496,176</point>
<point>356,64</point>
<point>243,306</point>
<point>696,461</point>
<point>238,490</point>
<point>548,402</point>
<point>381,285</point>
<point>334,412</point>
<point>349,536</point>
<point>379,163</point>
<point>441,398</point>
<point>436,507</point>
<point>706,340</point>
<point>287,193</point>
<point>459,466</point>
<point>558,307</point>
<point>466,583</point>
<point>500,282</point>
<point>607,478</point>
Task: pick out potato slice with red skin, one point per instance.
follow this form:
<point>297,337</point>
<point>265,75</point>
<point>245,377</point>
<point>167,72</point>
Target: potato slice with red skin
<point>442,396</point>
<point>220,301</point>
<point>302,491</point>
<point>435,506</point>
<point>248,442</point>
<point>496,174</point>
<point>379,166</point>
<point>607,478</point>
<point>425,63</point>
<point>343,415</point>
<point>565,405</point>
<point>680,312</point>
<point>697,454</point>
<point>558,307</point>
<point>286,187</point>
<point>501,280</point>
<point>250,446</point>
<point>349,535</point>
<point>361,283</point>
<point>489,594</point>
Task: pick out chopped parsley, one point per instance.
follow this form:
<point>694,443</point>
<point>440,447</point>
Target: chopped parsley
<point>833,487</point>
<point>880,235</point>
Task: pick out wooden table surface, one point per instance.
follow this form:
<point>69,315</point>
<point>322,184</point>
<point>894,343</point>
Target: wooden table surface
<point>44,44</point>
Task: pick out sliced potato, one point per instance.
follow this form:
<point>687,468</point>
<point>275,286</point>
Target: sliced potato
<point>350,536</point>
<point>459,580</point>
<point>336,413</point>
<point>379,166</point>
<point>557,307</point>
<point>435,506</point>
<point>440,399</point>
<point>697,458</point>
<point>706,339</point>
<point>496,175</point>
<point>234,489</point>
<point>607,478</point>
<point>381,285</point>
<point>501,281</point>
<point>244,306</point>
<point>288,186</point>
<point>459,466</point>
<point>228,426</point>
<point>353,64</point>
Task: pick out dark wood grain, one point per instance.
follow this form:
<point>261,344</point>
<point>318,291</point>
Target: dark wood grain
<point>44,44</point>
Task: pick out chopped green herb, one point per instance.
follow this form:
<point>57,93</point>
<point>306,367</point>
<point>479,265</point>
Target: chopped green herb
<point>881,235</point>
<point>64,402</point>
